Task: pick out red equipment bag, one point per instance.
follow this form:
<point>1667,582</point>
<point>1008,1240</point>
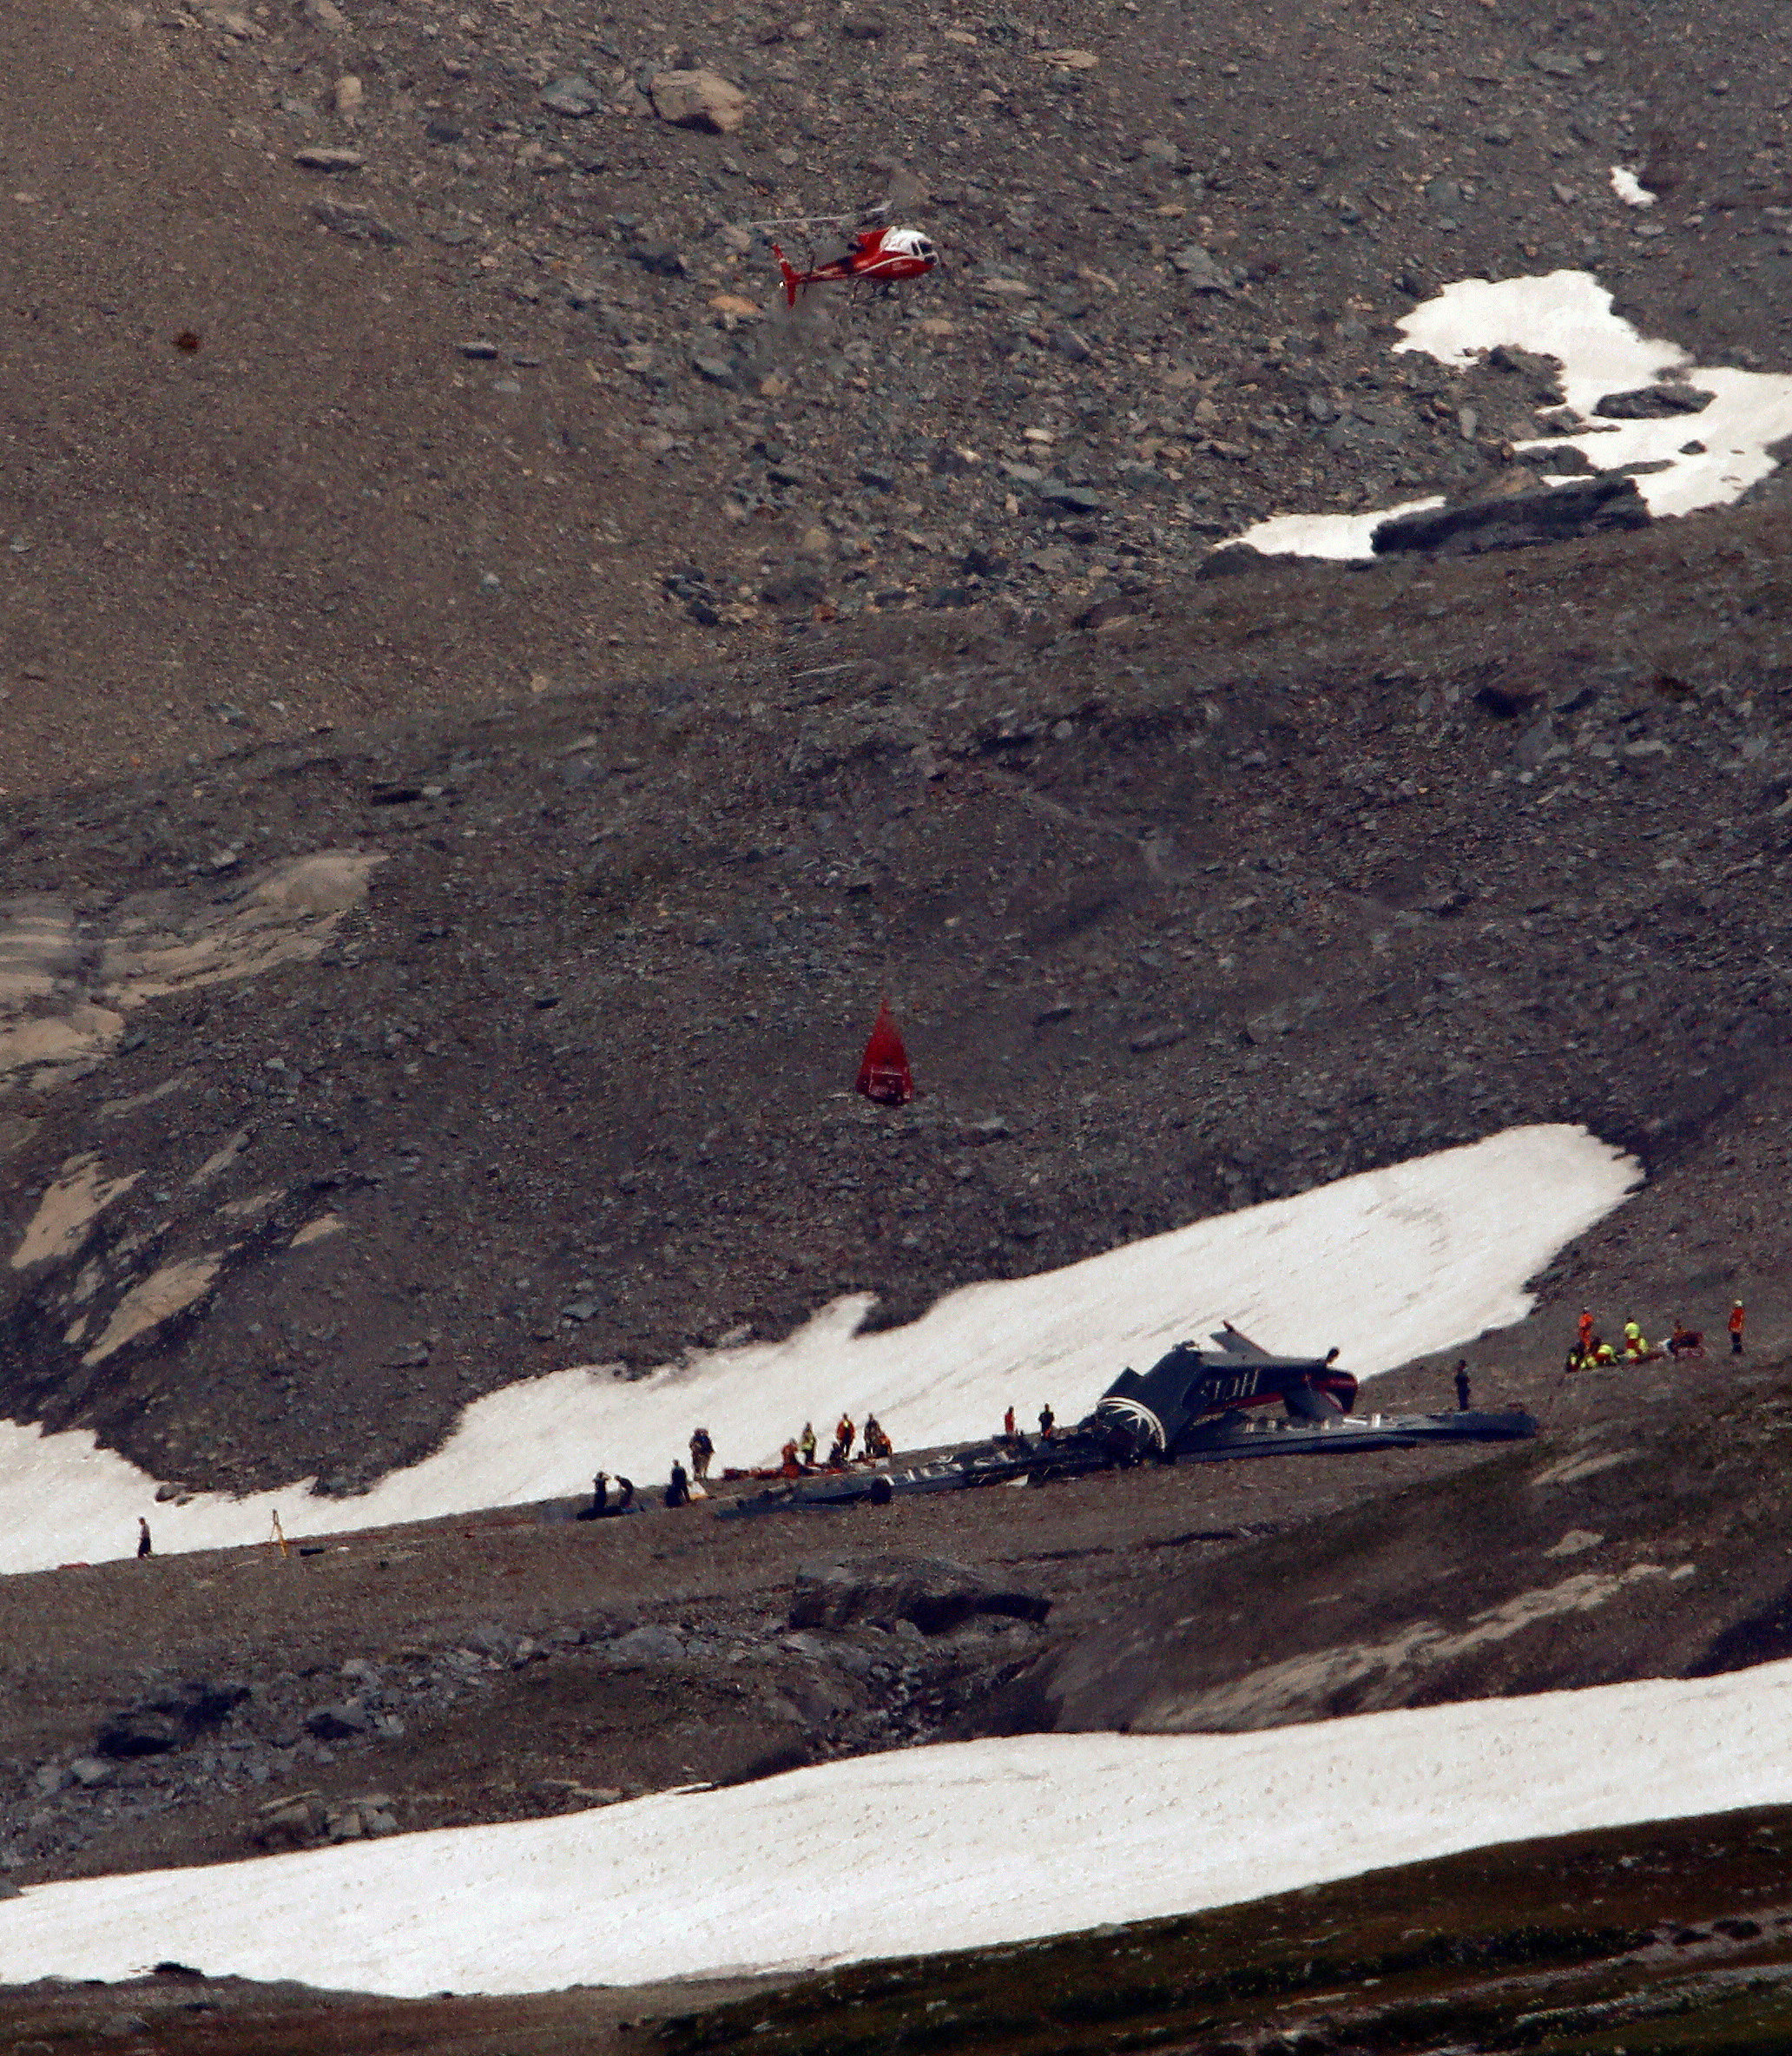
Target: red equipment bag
<point>884,1074</point>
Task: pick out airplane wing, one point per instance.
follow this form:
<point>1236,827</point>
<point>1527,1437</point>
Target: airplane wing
<point>1237,1344</point>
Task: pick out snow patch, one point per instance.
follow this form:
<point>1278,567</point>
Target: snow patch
<point>1629,189</point>
<point>1335,535</point>
<point>1567,315</point>
<point>1386,1265</point>
<point>965,1845</point>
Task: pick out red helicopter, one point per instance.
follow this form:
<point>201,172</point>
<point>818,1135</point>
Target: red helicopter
<point>883,255</point>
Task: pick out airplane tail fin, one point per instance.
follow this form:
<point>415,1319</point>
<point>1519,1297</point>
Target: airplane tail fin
<point>788,273</point>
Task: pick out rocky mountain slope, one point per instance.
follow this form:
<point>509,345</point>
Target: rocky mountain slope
<point>491,702</point>
<point>820,659</point>
<point>1278,879</point>
<point>1174,244</point>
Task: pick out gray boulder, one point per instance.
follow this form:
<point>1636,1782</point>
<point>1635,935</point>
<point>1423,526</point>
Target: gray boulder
<point>1654,402</point>
<point>340,1723</point>
<point>650,1644</point>
<point>1518,521</point>
<point>929,1592</point>
<point>573,96</point>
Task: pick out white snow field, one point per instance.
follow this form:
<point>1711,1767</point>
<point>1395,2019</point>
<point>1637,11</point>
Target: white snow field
<point>1386,1264</point>
<point>1567,315</point>
<point>1336,536</point>
<point>951,1847</point>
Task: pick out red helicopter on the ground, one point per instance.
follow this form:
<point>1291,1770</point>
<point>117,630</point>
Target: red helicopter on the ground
<point>882,256</point>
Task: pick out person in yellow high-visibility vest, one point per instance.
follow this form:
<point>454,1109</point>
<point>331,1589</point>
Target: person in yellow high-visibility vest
<point>1636,1342</point>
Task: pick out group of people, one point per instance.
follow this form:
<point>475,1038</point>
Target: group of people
<point>1592,1352</point>
<point>799,1453</point>
<point>1047,1424</point>
<point>611,1496</point>
<point>601,1507</point>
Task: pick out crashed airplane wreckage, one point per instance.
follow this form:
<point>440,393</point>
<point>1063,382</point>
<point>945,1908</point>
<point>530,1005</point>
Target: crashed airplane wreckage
<point>1193,1406</point>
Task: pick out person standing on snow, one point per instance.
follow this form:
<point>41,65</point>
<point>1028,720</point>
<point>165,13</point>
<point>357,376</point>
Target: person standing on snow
<point>805,1446</point>
<point>145,1546</point>
<point>1048,1420</point>
<point>1735,1329</point>
<point>701,1449</point>
<point>843,1436</point>
<point>1008,1424</point>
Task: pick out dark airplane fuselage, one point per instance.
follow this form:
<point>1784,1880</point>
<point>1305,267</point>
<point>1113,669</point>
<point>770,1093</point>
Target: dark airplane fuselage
<point>1229,1383</point>
<point>1190,1392</point>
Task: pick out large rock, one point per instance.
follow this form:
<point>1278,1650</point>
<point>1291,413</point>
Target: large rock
<point>1654,402</point>
<point>290,1822</point>
<point>931,1593</point>
<point>698,100</point>
<point>340,1723</point>
<point>574,97</point>
<point>650,1644</point>
<point>1518,521</point>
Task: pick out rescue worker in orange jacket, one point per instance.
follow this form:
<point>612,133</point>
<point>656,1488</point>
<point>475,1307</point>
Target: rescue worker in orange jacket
<point>1735,1329</point>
